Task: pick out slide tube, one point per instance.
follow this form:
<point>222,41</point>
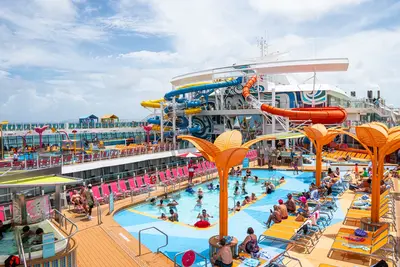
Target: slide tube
<point>328,115</point>
<point>168,96</point>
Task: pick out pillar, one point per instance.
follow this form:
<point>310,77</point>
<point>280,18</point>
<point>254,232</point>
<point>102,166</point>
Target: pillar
<point>375,194</point>
<point>223,203</point>
<point>318,164</point>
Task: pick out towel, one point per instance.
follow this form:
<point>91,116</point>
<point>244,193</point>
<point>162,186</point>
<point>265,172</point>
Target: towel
<point>251,262</point>
<point>365,248</point>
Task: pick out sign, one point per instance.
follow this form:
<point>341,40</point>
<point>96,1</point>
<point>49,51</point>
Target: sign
<point>246,163</point>
<point>111,202</point>
<point>49,248</point>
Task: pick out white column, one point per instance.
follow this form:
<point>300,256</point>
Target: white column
<point>273,117</point>
<point>162,122</point>
<point>174,121</point>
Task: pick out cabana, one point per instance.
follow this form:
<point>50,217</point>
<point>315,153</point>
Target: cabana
<point>111,118</point>
<point>89,119</point>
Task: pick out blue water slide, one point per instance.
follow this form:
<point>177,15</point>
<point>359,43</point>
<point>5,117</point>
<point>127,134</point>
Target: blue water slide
<point>168,96</point>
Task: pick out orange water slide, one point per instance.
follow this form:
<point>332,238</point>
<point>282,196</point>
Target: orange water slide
<point>328,115</point>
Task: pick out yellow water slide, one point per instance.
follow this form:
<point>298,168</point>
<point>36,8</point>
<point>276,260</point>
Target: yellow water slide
<point>152,103</point>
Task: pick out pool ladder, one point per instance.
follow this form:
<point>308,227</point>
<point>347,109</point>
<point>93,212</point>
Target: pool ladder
<point>155,228</point>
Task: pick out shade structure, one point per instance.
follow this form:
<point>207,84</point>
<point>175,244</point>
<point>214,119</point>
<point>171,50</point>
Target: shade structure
<point>278,136</point>
<point>190,155</point>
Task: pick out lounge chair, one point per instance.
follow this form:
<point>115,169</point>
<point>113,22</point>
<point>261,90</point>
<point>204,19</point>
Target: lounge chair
<point>169,177</point>
<point>140,184</point>
<point>164,180</point>
<point>114,188</point>
<point>133,186</point>
<point>105,189</point>
<point>98,197</point>
<point>380,248</point>
<point>124,189</point>
<point>372,237</point>
<point>181,175</point>
<point>148,183</point>
<point>289,231</point>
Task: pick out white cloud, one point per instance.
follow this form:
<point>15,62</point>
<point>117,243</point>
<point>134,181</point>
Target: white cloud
<point>301,10</point>
<point>151,57</point>
<point>93,71</point>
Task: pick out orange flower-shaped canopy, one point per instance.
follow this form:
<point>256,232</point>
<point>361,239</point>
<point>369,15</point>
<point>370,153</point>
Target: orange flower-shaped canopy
<point>227,150</point>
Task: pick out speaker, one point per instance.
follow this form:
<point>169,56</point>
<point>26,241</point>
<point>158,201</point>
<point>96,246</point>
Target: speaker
<point>369,94</point>
<point>353,93</point>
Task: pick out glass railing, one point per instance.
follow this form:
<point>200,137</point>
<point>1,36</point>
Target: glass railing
<point>41,161</point>
<point>70,126</point>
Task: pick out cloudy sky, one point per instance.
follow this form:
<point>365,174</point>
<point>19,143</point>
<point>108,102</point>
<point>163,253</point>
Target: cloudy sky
<point>60,59</point>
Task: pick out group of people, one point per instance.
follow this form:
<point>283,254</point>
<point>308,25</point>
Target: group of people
<point>281,211</point>
<point>84,200</point>
<point>224,257</point>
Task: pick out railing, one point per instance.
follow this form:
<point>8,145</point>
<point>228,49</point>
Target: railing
<point>198,254</point>
<point>62,223</point>
<point>281,257</point>
<point>140,239</point>
<point>98,210</point>
<point>40,161</point>
<point>71,125</point>
<point>20,247</point>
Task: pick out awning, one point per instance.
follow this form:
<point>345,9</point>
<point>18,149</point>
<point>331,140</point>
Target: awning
<point>279,136</point>
<point>45,180</point>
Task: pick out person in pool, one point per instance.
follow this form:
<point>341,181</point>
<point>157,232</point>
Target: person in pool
<point>161,204</point>
<point>217,187</point>
<point>237,206</point>
<point>210,186</point>
<point>189,189</point>
<point>205,215</point>
<point>153,201</point>
<point>236,192</point>
<point>174,216</point>
<point>282,180</point>
<point>199,201</point>
<point>246,201</point>
<point>172,203</point>
<point>26,233</point>
<point>163,217</point>
<point>237,184</point>
<point>238,171</point>
<point>255,179</point>
<point>244,191</point>
<point>253,197</point>
<point>200,192</point>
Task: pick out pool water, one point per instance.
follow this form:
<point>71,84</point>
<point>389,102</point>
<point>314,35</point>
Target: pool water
<point>8,245</point>
<point>182,237</point>
<point>188,209</point>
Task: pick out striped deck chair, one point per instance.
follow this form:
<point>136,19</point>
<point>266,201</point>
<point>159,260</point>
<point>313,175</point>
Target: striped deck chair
<point>176,174</point>
<point>105,189</point>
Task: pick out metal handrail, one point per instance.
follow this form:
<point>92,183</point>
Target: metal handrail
<point>62,220</point>
<point>99,221</point>
<point>20,247</point>
<point>279,259</point>
<point>198,254</point>
<point>140,239</point>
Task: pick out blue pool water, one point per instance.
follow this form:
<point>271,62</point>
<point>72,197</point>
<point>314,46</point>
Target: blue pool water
<point>183,237</point>
<point>188,208</point>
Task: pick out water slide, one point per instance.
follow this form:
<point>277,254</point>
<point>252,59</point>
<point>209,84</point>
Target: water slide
<point>152,103</point>
<point>328,115</point>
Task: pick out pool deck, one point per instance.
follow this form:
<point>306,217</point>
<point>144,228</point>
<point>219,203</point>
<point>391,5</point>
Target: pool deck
<point>109,244</point>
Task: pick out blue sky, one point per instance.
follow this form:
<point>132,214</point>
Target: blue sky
<point>60,59</point>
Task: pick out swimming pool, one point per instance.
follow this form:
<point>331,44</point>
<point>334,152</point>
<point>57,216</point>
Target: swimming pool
<point>188,209</point>
<point>182,236</point>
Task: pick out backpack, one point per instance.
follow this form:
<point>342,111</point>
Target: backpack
<point>12,261</point>
<point>252,246</point>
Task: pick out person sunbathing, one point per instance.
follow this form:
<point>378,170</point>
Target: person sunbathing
<point>246,201</point>
<point>275,216</point>
<point>290,204</point>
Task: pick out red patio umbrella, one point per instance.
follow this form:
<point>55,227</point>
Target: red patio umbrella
<point>190,155</point>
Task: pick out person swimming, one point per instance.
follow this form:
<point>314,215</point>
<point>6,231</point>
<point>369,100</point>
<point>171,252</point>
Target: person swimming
<point>199,201</point>
<point>161,204</point>
<point>163,217</point>
<point>210,186</point>
<point>190,190</point>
